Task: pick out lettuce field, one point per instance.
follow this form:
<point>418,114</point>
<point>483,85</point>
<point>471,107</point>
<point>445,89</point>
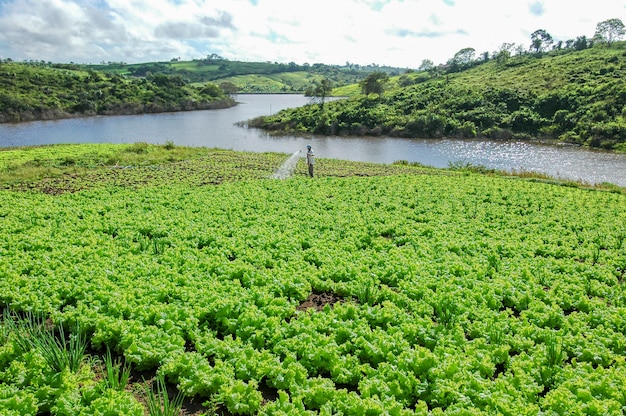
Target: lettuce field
<point>368,290</point>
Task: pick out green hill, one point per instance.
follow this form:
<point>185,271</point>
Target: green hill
<point>251,77</point>
<point>570,96</point>
<point>137,271</point>
<point>39,90</point>
<point>45,91</point>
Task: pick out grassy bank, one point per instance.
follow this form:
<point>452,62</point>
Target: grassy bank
<point>371,289</point>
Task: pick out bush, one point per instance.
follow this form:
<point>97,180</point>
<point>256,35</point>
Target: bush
<point>468,129</point>
<point>138,147</point>
<point>526,120</point>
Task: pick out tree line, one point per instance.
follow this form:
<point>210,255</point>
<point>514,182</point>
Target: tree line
<point>607,33</point>
<point>39,91</point>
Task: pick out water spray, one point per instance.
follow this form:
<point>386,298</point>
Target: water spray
<point>287,168</point>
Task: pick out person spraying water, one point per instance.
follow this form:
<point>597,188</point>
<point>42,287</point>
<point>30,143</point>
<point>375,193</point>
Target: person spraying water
<point>287,169</point>
<point>310,159</point>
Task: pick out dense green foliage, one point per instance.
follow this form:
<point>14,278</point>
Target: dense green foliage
<point>252,77</point>
<point>33,92</point>
<point>424,292</point>
<point>572,96</point>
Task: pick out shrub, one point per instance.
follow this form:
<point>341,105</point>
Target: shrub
<point>138,147</point>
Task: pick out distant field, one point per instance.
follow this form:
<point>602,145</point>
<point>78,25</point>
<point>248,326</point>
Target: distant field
<point>251,77</point>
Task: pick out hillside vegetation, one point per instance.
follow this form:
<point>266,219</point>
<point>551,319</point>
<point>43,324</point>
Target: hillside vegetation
<point>251,77</point>
<point>42,91</point>
<point>128,272</point>
<point>570,96</point>
<point>39,90</point>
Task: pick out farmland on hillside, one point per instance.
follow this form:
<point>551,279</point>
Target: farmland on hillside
<point>251,77</point>
<point>369,290</point>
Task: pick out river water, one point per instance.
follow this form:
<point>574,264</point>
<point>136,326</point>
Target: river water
<point>217,129</point>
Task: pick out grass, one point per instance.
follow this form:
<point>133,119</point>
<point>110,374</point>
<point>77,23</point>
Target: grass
<point>26,164</point>
<point>347,90</point>
<point>287,82</point>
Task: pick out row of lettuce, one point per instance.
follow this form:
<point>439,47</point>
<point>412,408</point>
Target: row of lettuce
<point>456,295</point>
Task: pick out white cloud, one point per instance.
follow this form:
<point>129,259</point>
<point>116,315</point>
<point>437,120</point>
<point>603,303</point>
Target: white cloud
<point>386,32</point>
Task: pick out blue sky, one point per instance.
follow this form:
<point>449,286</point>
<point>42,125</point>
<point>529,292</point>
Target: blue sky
<point>399,33</point>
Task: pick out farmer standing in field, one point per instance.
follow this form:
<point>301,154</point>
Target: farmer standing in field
<point>310,159</point>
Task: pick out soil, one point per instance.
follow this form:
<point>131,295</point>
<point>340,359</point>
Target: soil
<point>319,300</point>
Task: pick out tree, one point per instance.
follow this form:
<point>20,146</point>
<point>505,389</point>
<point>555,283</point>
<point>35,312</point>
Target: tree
<point>504,53</point>
<point>609,31</point>
<point>461,59</point>
<point>429,66</point>
<point>214,57</point>
<point>464,56</point>
<point>374,83</point>
<point>580,43</point>
<point>540,40</point>
<point>167,81</point>
<point>404,81</point>
<point>502,57</point>
<point>426,65</point>
<point>319,91</point>
<point>229,88</point>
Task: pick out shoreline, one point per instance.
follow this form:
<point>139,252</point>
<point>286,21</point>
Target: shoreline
<point>57,114</point>
<point>164,155</point>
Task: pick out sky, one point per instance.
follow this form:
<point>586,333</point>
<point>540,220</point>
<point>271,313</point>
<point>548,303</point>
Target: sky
<point>399,33</point>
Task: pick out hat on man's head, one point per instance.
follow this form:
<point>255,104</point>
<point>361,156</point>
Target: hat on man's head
<point>308,147</point>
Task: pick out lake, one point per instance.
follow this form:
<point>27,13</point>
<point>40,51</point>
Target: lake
<point>216,128</point>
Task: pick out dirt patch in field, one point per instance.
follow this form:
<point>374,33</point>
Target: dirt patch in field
<point>319,300</point>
